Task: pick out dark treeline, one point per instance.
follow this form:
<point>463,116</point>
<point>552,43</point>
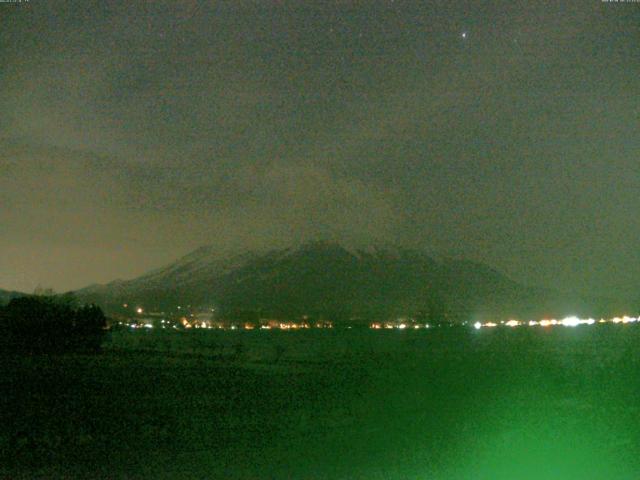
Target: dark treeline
<point>50,324</point>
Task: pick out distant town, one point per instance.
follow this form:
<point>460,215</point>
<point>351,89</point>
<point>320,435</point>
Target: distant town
<point>187,318</point>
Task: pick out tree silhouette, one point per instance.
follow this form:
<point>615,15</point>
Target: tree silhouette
<point>51,324</point>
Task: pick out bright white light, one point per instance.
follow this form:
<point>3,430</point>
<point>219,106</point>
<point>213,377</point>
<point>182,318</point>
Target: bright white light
<point>533,323</point>
<point>148,325</point>
<point>490,324</point>
<point>139,310</point>
<point>464,35</point>
<point>402,326</point>
<point>512,323</point>
<point>570,321</point>
<point>477,325</point>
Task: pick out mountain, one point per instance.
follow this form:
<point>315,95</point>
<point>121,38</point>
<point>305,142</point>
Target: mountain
<point>326,279</point>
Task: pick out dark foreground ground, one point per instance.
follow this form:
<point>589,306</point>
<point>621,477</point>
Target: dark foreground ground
<point>449,404</point>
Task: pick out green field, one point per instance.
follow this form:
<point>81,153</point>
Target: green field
<point>447,404</point>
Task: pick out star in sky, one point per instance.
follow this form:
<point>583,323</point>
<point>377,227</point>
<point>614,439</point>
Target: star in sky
<point>275,99</point>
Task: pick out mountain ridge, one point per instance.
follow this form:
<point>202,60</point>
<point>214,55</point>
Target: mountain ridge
<point>325,278</point>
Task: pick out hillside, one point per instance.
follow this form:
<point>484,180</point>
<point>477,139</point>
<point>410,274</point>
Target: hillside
<point>329,280</point>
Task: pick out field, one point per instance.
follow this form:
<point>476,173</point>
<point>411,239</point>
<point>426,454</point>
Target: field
<point>524,403</point>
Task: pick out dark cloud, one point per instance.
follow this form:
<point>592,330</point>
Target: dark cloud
<point>131,133</point>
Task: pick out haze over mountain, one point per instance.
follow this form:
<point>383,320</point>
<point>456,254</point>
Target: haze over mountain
<point>329,280</point>
<point>503,132</point>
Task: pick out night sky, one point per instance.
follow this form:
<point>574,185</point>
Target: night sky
<point>504,132</point>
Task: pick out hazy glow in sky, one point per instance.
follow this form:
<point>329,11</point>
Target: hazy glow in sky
<point>503,132</point>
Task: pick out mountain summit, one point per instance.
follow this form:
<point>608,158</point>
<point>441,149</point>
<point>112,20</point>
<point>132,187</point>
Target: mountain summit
<point>326,279</point>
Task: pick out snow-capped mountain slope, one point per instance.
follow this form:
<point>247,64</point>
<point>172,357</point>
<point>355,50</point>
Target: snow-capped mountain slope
<point>326,278</point>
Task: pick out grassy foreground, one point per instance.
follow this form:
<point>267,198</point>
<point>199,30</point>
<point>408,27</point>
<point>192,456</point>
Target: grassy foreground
<point>526,404</point>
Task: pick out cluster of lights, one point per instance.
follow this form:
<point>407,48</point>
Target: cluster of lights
<point>135,326</point>
<point>398,326</point>
<point>565,322</point>
<point>293,326</point>
<point>206,325</point>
